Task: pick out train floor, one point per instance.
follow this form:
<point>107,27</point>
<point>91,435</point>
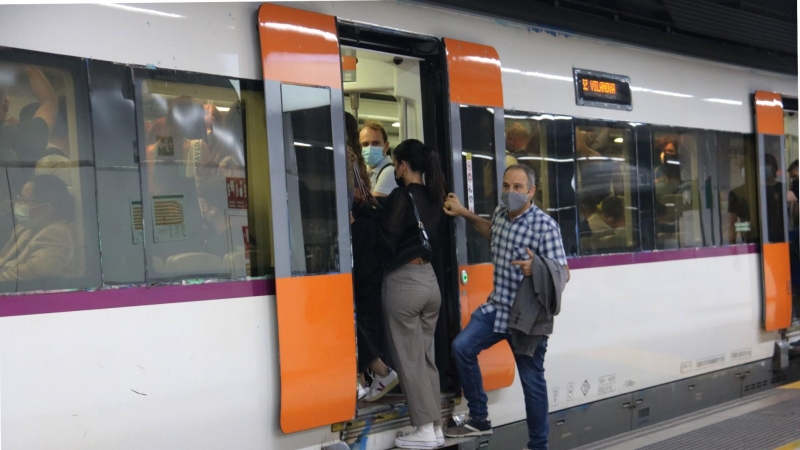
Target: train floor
<point>766,421</point>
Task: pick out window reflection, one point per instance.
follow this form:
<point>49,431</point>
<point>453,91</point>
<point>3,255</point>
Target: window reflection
<point>196,186</point>
<point>607,204</point>
<point>310,181</point>
<point>45,198</point>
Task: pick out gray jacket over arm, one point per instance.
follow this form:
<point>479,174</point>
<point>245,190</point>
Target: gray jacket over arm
<point>537,302</point>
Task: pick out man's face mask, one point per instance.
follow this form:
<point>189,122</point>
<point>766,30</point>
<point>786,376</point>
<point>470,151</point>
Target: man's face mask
<point>514,201</point>
<point>372,155</point>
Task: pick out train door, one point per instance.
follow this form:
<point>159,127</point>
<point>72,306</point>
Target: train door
<point>778,230</point>
<point>305,135</point>
<point>477,136</point>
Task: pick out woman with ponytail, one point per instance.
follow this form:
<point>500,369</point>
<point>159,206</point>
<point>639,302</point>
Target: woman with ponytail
<point>410,227</point>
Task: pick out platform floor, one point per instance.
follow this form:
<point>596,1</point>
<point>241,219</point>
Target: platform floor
<point>766,421</point>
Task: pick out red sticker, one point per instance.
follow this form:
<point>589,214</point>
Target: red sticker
<point>237,192</point>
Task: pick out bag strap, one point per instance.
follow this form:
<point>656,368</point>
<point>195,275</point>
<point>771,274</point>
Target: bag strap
<point>423,235</point>
<point>381,171</point>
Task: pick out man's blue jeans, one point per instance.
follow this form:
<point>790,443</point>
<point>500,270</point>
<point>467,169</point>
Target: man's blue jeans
<point>478,336</point>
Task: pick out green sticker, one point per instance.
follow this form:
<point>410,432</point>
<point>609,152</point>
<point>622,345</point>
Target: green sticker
<point>464,277</point>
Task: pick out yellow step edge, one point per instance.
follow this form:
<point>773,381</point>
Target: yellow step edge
<point>790,446</point>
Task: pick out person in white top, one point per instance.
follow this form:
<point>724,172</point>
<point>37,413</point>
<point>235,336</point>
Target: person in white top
<point>375,149</point>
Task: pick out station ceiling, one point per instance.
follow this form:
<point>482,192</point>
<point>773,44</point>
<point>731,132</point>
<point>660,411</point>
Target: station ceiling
<point>760,34</point>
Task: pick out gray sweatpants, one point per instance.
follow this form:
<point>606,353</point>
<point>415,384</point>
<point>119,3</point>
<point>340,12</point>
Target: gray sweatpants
<point>411,301</point>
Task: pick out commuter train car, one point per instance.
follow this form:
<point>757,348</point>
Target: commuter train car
<point>178,269</point>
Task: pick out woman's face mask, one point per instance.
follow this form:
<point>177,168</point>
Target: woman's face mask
<point>372,155</point>
<point>398,178</point>
<point>22,215</point>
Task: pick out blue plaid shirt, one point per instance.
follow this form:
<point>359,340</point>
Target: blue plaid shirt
<point>533,229</point>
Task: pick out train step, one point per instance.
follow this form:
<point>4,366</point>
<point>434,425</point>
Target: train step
<point>466,443</point>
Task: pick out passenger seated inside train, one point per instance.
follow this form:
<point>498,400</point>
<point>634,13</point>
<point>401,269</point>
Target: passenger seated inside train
<point>592,223</point>
<point>41,249</point>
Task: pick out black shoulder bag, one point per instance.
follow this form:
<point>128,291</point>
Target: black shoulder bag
<point>414,246</point>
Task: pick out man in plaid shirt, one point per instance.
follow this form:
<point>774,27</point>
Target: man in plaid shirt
<point>518,230</point>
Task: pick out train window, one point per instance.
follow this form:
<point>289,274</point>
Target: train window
<point>310,183</point>
<point>195,205</point>
<point>684,176</point>
<point>606,187</point>
<point>738,192</point>
<point>480,174</point>
<point>48,223</point>
<point>791,141</point>
<point>775,190</point>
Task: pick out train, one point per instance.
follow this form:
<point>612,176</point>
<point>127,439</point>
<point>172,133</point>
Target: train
<point>201,294</point>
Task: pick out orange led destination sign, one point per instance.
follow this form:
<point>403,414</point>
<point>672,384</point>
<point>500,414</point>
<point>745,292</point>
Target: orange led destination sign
<point>603,90</point>
<point>600,87</point>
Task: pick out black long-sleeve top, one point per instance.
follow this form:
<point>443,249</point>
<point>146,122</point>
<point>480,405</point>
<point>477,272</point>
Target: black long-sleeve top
<point>398,226</point>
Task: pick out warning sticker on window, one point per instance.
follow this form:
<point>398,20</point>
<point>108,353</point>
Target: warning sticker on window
<point>168,218</point>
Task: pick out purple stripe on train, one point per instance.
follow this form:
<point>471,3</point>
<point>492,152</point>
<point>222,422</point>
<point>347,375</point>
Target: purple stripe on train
<point>21,305</point>
<point>56,302</point>
<point>624,259</point>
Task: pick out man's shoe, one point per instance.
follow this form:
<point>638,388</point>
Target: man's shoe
<point>471,427</point>
<point>381,386</point>
<point>423,437</point>
<point>439,435</point>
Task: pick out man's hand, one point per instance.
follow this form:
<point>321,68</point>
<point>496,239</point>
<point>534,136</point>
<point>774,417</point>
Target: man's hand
<point>525,265</point>
<point>453,206</point>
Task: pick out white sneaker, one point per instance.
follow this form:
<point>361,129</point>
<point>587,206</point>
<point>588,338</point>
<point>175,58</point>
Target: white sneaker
<point>439,434</point>
<point>381,385</point>
<point>422,437</point>
<point>361,390</point>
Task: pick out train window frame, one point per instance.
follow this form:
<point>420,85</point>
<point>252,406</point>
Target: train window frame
<point>142,74</point>
<point>83,160</point>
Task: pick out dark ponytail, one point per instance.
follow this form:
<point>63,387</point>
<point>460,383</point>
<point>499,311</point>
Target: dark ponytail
<point>423,159</point>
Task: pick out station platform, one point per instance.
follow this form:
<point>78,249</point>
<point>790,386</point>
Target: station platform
<point>766,421</point>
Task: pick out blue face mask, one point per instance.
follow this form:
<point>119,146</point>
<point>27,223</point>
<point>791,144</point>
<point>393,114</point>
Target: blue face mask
<point>373,155</point>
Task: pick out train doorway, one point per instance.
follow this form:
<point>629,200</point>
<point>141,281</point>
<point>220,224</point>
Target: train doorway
<point>393,82</point>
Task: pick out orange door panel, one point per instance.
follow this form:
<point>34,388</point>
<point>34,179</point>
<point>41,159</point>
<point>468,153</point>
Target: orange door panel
<point>299,47</point>
<point>494,362</point>
<point>777,286</point>
<point>316,338</point>
<point>474,74</point>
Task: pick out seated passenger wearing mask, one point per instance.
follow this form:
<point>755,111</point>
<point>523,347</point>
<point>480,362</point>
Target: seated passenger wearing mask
<point>375,149</point>
<point>42,248</point>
